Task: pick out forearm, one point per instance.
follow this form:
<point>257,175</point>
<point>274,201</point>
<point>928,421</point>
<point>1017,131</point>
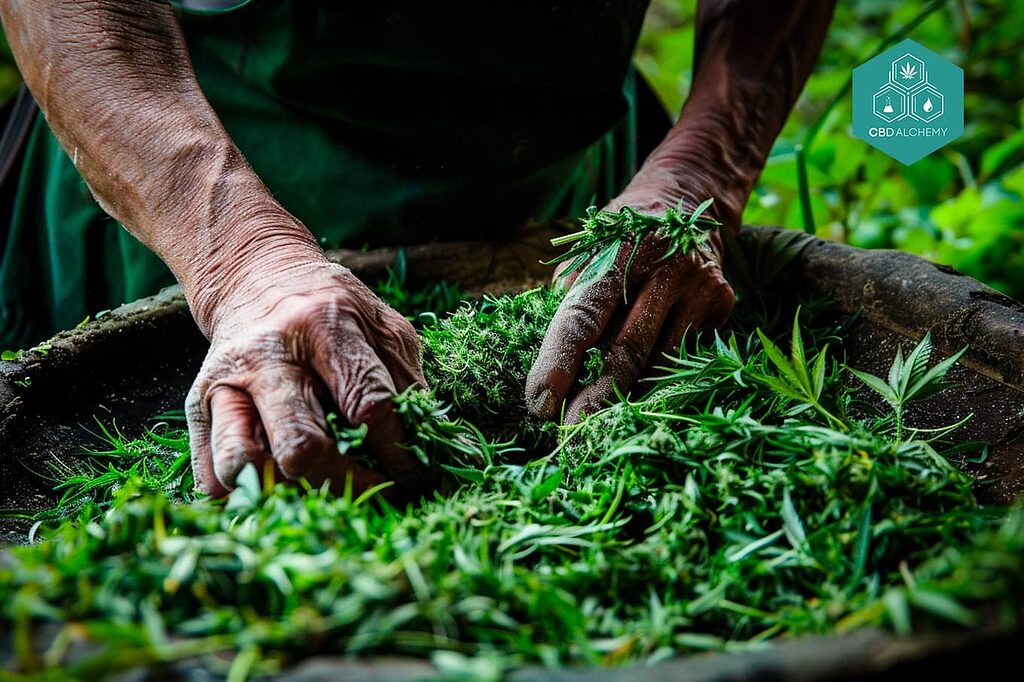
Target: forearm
<point>114,79</point>
<point>752,58</point>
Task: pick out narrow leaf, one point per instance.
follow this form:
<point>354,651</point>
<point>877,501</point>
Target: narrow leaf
<point>780,361</point>
<point>935,374</point>
<point>877,385</point>
<point>791,522</point>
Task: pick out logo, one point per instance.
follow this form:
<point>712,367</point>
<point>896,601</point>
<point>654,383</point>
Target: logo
<point>908,102</point>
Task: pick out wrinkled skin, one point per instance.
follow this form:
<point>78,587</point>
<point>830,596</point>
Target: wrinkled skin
<point>292,335</point>
<point>665,299</point>
<point>317,336</point>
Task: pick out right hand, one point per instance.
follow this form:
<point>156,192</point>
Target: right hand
<point>298,337</point>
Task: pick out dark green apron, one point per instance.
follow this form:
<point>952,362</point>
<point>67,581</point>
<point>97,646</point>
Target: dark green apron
<point>373,124</point>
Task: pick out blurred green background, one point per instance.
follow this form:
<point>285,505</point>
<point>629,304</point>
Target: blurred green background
<point>962,205</point>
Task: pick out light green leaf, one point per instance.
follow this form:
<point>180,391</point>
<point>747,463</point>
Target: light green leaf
<point>780,361</point>
<point>896,371</point>
<point>863,543</point>
<point>546,486</point>
<point>934,375</point>
<point>819,371</point>
<point>916,363</point>
<point>791,522</point>
<point>877,385</point>
<point>899,611</point>
<point>943,606</point>
<point>796,351</point>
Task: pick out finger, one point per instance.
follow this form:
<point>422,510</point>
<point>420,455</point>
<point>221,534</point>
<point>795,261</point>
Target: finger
<point>294,422</point>
<point>197,415</point>
<point>363,388</point>
<point>576,326</point>
<point>626,355</point>
<point>237,435</point>
<point>703,308</point>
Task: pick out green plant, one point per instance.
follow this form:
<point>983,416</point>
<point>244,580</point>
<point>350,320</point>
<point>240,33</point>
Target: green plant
<point>426,303</point>
<point>798,379</point>
<point>592,249</point>
<point>910,379</point>
<point>712,510</point>
<point>961,206</point>
<point>158,461</point>
<point>477,360</point>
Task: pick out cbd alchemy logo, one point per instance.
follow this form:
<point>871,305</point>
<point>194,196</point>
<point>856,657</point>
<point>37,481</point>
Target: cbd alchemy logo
<point>908,102</point>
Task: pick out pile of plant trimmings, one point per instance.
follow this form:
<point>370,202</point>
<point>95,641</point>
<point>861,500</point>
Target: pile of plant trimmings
<point>749,492</point>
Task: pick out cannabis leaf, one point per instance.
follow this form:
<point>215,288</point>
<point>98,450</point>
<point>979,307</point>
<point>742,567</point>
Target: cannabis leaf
<point>798,379</point>
<point>910,379</point>
<point>908,71</point>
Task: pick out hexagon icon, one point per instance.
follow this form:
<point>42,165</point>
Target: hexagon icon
<point>908,72</point>
<point>927,104</point>
<point>889,104</point>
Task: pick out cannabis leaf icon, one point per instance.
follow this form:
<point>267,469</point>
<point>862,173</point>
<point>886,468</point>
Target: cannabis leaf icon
<point>908,71</point>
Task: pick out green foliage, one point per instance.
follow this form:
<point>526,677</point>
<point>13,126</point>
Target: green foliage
<point>909,379</point>
<point>418,304</point>
<point>477,360</point>
<point>157,462</point>
<point>797,379</point>
<point>716,509</point>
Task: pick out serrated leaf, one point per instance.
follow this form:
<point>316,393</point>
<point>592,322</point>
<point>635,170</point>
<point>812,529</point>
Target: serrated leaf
<point>934,375</point>
<point>916,364</point>
<point>701,207</point>
<point>877,385</point>
<point>819,371</point>
<point>780,361</point>
<point>784,389</point>
<point>796,351</point>
<point>896,371</point>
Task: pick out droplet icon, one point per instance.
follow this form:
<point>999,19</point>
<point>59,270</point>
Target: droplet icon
<point>928,106</point>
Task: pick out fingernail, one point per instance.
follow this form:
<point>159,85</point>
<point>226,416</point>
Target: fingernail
<point>545,403</point>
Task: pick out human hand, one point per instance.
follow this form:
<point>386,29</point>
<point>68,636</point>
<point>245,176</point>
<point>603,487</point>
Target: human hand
<point>286,341</point>
<point>666,297</point>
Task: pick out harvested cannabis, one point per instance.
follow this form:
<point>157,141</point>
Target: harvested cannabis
<point>477,360</point>
<point>738,499</point>
<point>594,247</point>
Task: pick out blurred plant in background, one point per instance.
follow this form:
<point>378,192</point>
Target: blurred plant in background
<point>961,206</point>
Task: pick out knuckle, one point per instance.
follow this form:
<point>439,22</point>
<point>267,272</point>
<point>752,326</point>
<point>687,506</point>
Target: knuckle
<point>406,333</point>
<point>627,355</point>
<point>195,409</point>
<point>300,447</point>
<point>720,295</point>
<point>579,318</point>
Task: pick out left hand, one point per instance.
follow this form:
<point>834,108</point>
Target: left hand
<point>666,297</point>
